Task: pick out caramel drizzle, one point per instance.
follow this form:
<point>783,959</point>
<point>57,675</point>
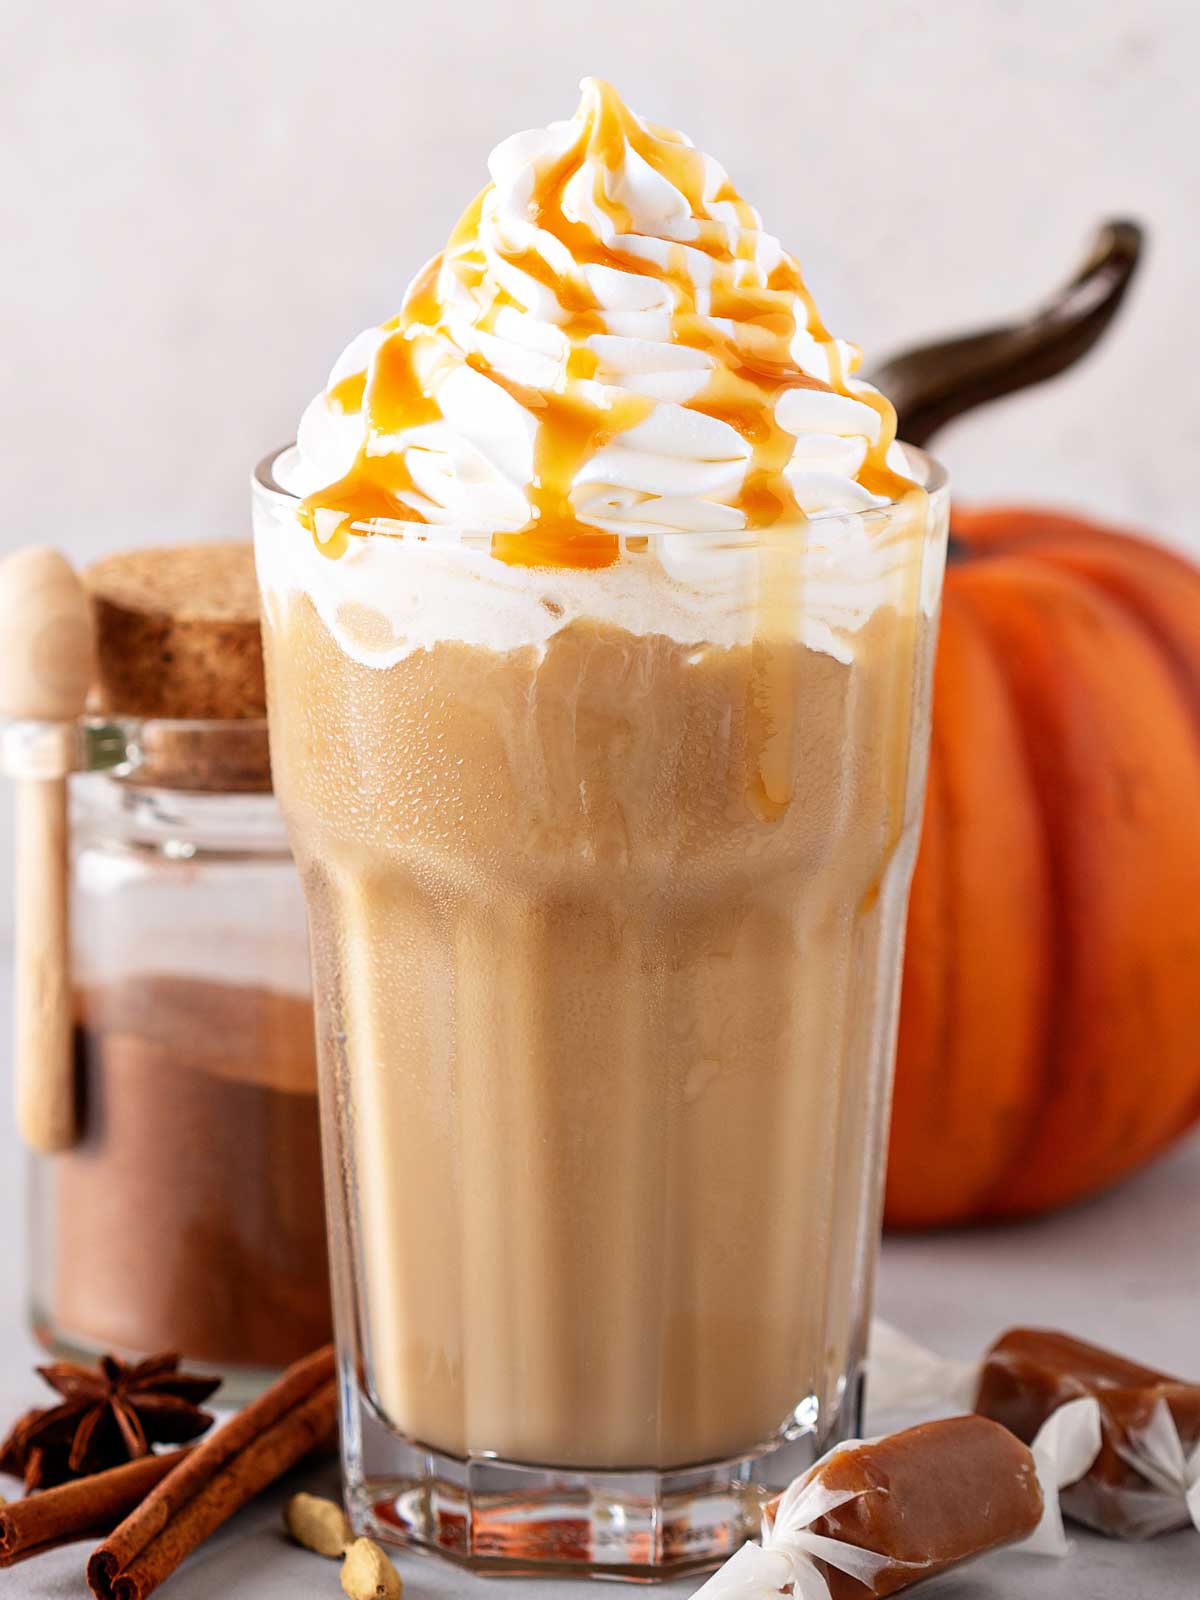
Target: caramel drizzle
<point>751,361</point>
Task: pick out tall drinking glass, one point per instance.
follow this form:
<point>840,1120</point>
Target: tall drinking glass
<point>606,874</point>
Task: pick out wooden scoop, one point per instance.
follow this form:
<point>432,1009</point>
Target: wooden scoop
<point>46,658</point>
<point>935,383</point>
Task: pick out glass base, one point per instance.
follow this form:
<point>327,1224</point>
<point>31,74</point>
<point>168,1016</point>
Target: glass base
<point>501,1518</point>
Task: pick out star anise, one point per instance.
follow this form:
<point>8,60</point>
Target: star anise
<point>110,1413</point>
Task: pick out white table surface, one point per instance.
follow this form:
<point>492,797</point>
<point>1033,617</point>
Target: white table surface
<point>1124,1270</point>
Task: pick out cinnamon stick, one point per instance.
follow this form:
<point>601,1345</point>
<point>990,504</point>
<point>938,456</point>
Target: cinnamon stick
<point>81,1509</point>
<point>221,1475</point>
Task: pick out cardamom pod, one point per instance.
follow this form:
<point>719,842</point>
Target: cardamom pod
<point>367,1574</point>
<point>319,1525</point>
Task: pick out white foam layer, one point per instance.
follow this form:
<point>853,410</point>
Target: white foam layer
<point>433,586</point>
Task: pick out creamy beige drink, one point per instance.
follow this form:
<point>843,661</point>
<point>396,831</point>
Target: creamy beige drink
<point>598,659</point>
<point>606,1031</point>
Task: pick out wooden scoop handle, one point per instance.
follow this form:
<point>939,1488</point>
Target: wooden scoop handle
<point>45,1067</point>
<point>933,384</point>
<point>46,652</point>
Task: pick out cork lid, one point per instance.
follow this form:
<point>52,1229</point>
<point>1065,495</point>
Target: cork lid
<point>178,640</point>
<point>177,633</point>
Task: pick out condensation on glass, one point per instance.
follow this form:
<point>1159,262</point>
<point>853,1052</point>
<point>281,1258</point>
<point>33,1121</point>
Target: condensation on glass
<point>606,931</point>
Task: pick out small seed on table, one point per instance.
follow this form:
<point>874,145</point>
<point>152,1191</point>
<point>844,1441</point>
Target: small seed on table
<point>319,1525</point>
<point>367,1574</point>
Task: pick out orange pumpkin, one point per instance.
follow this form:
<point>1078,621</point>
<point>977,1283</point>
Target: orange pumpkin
<point>1050,1024</point>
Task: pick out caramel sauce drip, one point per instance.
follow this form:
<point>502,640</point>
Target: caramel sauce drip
<point>743,322</point>
<point>751,361</point>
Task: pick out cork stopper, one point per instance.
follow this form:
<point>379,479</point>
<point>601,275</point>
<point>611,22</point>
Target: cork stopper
<point>177,633</point>
<point>178,643</point>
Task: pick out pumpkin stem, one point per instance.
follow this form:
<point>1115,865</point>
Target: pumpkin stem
<point>933,384</point>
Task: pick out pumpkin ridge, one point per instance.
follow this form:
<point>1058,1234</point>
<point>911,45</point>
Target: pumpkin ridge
<point>946,917</point>
<point>1120,568</point>
<point>953,877</point>
<point>1111,571</point>
<point>897,1190</point>
<point>1049,1077</point>
<point>961,998</point>
<point>1054,1076</point>
<point>1123,1124</point>
<point>1102,729</point>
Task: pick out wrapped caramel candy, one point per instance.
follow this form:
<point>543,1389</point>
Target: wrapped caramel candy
<point>919,1502</point>
<point>871,1519</point>
<point>1135,1430</point>
<point>1146,1477</point>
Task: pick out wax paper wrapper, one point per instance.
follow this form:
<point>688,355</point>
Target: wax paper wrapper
<point>790,1555</point>
<point>1144,1478</point>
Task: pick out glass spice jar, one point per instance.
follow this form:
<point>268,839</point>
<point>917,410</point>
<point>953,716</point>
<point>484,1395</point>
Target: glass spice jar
<point>177,1200</point>
<point>189,1213</point>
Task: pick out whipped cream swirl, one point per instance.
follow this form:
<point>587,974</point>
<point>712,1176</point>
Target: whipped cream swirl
<point>610,342</point>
